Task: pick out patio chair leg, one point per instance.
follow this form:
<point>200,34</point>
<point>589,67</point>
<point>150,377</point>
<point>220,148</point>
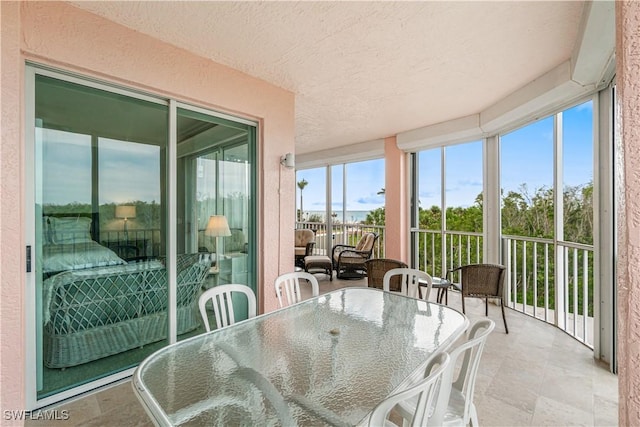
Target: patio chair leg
<point>462,298</point>
<point>486,306</point>
<point>504,319</point>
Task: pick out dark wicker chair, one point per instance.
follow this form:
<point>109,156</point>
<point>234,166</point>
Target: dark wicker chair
<point>377,267</point>
<point>481,281</point>
<point>349,261</point>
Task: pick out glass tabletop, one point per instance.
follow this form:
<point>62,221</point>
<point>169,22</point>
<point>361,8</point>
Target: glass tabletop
<point>326,361</point>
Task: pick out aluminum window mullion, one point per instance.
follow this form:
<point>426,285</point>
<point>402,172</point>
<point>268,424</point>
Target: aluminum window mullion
<point>107,87</point>
<point>172,197</point>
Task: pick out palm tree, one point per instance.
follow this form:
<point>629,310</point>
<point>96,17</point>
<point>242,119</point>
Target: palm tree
<point>301,185</point>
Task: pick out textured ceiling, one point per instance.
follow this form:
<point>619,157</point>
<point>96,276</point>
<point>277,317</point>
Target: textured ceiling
<point>367,70</point>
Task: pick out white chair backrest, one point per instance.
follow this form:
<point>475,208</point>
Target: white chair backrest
<point>220,296</point>
<point>289,285</point>
<point>426,393</point>
<point>410,285</point>
<point>471,350</point>
<point>464,384</point>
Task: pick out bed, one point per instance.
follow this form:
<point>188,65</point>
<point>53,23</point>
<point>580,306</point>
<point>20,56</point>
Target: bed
<point>95,304</point>
<point>98,312</point>
<point>68,244</point>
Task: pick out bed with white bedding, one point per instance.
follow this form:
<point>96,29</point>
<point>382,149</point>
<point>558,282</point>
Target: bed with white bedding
<point>68,245</point>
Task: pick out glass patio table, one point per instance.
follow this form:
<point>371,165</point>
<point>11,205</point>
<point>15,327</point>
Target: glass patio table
<point>328,360</point>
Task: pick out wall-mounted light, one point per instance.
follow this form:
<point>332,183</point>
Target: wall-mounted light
<point>288,161</point>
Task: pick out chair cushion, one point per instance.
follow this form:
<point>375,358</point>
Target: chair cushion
<point>317,261</point>
<point>302,237</point>
<point>365,243</point>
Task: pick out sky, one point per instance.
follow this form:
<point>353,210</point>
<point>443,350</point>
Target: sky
<point>526,158</point>
<point>128,171</point>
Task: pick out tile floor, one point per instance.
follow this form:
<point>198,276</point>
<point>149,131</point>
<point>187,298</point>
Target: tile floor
<point>535,376</point>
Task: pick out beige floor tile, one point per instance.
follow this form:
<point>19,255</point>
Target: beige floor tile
<point>494,412</point>
<point>117,396</point>
<point>550,412</point>
<point>78,412</point>
<point>568,387</point>
<point>130,414</point>
<point>605,411</point>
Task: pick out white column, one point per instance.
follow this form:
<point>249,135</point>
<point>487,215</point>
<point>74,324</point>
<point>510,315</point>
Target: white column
<point>491,200</point>
<point>558,215</point>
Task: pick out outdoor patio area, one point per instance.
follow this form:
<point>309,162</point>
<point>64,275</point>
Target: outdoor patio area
<point>536,375</point>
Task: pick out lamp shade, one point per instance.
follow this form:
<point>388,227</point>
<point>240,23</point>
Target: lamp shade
<point>217,226</point>
<point>125,211</point>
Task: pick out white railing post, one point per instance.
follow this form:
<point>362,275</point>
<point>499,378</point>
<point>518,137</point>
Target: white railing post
<point>506,251</point>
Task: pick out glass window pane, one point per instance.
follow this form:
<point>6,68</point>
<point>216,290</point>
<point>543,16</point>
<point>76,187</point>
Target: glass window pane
<point>366,192</point>
<point>526,168</point>
<point>464,186</point>
<point>577,143</point>
<point>430,189</point>
<point>216,219</point>
<point>311,204</point>
<point>429,239</point>
<point>98,162</point>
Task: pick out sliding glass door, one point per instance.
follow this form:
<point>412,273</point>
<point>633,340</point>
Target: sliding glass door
<point>215,196</point>
<point>106,290</point>
<point>99,203</point>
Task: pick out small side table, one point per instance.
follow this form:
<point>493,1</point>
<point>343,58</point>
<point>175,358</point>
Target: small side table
<point>442,285</point>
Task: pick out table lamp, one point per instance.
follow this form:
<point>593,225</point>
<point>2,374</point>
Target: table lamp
<point>216,227</point>
<point>125,211</point>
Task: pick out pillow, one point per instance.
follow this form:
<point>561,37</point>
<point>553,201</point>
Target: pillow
<point>71,230</point>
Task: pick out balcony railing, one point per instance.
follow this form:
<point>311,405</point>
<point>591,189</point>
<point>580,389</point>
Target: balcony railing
<point>460,248</point>
<point>343,234</point>
<point>551,282</point>
<point>554,287</point>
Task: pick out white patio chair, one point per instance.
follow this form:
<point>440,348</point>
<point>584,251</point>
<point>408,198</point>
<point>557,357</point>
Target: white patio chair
<point>459,409</point>
<point>425,393</point>
<point>220,297</point>
<point>412,282</point>
<point>290,284</point>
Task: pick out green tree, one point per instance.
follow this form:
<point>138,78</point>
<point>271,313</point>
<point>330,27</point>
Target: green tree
<point>375,217</point>
<point>301,185</point>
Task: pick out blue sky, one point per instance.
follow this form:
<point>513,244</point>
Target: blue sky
<point>526,153</point>
<point>526,158</point>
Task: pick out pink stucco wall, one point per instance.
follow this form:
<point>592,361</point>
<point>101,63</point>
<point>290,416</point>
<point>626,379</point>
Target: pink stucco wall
<point>12,353</point>
<point>65,37</point>
<point>396,201</point>
<point>628,90</point>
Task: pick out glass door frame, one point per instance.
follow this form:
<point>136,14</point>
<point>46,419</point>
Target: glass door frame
<point>30,308</point>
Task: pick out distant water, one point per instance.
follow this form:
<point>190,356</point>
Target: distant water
<point>352,216</point>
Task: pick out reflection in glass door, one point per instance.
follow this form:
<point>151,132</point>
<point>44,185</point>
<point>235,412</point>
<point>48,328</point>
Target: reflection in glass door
<point>215,198</point>
<point>105,291</point>
<point>100,206</point>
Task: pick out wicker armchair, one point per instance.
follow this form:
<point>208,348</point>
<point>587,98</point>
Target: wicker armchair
<point>349,261</point>
<point>304,242</point>
<point>482,281</point>
<point>377,267</point>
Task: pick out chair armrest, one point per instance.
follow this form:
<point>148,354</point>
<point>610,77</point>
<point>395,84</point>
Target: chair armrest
<point>451,271</point>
